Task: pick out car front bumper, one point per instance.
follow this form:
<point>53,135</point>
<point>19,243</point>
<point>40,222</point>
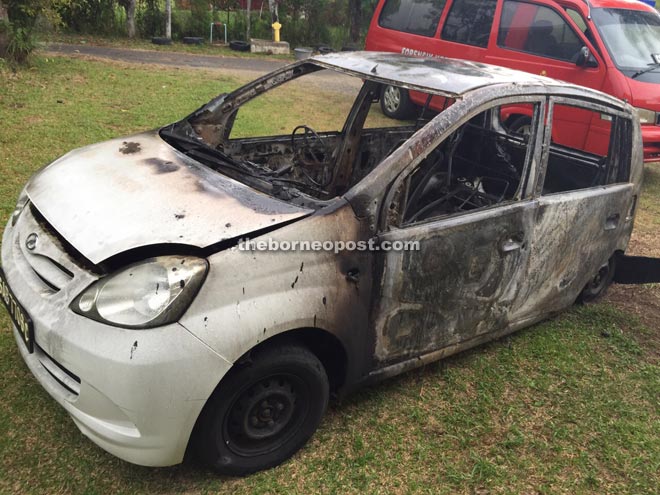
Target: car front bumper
<point>651,139</point>
<point>135,393</point>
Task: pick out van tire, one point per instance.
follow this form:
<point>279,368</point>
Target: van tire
<point>395,103</point>
<point>263,411</point>
<point>598,285</point>
<point>519,124</point>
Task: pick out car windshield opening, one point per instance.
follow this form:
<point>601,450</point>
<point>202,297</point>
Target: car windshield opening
<point>305,135</point>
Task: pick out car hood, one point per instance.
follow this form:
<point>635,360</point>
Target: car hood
<point>137,191</point>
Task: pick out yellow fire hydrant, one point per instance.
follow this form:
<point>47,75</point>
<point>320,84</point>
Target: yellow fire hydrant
<point>276,28</point>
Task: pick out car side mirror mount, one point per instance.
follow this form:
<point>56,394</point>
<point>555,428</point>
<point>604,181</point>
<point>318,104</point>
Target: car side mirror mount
<point>585,58</point>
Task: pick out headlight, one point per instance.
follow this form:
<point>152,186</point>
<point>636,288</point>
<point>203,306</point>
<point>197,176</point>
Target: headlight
<point>646,116</point>
<point>148,294</point>
<point>20,204</point>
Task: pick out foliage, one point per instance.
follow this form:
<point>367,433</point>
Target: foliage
<point>20,45</point>
<point>92,16</point>
<point>305,22</point>
<point>17,33</point>
<point>150,18</point>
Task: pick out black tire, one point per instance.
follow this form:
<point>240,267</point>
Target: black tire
<point>161,41</point>
<point>239,46</point>
<point>395,103</point>
<point>520,124</point>
<point>192,40</point>
<point>264,411</point>
<point>598,285</point>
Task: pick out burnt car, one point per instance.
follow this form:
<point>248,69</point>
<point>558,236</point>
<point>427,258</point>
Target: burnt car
<point>136,307</point>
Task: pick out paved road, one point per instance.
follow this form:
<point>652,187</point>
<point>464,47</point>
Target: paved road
<point>177,59</point>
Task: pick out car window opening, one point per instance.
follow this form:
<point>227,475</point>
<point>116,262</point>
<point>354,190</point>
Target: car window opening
<point>481,164</point>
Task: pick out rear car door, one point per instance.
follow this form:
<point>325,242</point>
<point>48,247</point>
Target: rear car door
<point>585,205</point>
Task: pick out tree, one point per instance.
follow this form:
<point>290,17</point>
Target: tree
<point>355,19</point>
<point>168,19</point>
<point>129,7</point>
<point>249,10</point>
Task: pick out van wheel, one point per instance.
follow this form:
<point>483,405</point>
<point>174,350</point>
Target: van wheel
<point>263,412</point>
<point>520,124</point>
<point>598,285</point>
<point>395,103</point>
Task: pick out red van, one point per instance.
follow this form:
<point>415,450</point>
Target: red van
<point>609,45</point>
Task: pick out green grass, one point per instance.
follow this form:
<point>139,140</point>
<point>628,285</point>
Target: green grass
<point>567,406</point>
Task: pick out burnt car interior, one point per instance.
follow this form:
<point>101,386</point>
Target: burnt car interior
<point>481,164</point>
<point>305,165</point>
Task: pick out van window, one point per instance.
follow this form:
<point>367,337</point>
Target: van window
<point>537,30</point>
<point>479,165</point>
<point>470,22</point>
<point>586,150</point>
<point>412,16</point>
<point>577,19</point>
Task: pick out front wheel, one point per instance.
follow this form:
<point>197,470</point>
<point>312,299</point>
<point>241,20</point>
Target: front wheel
<point>263,412</point>
<point>395,103</point>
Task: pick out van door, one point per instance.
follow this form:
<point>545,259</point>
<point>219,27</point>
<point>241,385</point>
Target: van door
<point>584,200</point>
<point>542,40</point>
<point>465,212</point>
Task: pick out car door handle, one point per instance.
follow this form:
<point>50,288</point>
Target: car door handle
<point>513,242</point>
<point>612,221</point>
<point>510,245</point>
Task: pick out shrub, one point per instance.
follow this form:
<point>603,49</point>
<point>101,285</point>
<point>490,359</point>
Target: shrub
<point>16,43</point>
<point>150,18</point>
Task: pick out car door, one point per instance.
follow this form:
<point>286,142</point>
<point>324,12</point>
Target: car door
<point>585,202</point>
<point>467,218</point>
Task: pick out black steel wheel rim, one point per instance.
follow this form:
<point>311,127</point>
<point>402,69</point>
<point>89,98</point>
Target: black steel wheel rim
<point>265,415</point>
<point>600,280</point>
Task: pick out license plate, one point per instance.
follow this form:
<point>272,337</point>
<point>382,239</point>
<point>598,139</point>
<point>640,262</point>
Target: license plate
<point>17,314</point>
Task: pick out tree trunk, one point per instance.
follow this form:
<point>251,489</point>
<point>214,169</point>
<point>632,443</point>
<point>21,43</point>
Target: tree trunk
<point>355,16</point>
<point>130,18</point>
<point>249,8</point>
<point>271,6</point>
<point>168,19</point>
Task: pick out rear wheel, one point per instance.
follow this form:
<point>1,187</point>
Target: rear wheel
<point>395,103</point>
<point>264,411</point>
<point>598,285</point>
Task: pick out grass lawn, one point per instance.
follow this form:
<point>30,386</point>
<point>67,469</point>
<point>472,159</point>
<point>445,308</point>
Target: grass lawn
<point>571,405</point>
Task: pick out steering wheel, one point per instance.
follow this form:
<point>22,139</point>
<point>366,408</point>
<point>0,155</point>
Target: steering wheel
<point>312,143</point>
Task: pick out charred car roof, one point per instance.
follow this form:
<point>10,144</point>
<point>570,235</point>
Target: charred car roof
<point>441,75</point>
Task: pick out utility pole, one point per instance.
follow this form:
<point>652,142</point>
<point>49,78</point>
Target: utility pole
<point>168,19</point>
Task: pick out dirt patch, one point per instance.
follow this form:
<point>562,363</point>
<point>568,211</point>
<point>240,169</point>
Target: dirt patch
<point>643,301</point>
